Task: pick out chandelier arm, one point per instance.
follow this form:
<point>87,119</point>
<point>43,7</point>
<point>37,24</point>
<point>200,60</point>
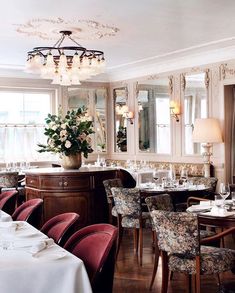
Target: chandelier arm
<point>74,41</point>
<point>60,41</point>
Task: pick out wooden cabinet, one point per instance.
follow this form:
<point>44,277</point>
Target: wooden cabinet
<point>79,191</point>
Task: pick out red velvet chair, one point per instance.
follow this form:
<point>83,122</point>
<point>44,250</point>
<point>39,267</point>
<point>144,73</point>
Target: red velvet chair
<point>61,227</point>
<point>8,201</point>
<point>30,211</point>
<point>95,245</point>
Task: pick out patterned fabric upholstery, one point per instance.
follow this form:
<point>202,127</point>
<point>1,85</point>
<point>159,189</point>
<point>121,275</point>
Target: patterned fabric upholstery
<point>128,204</point>
<point>169,225</point>
<point>177,234</point>
<point>210,182</point>
<point>8,179</point>
<point>213,260</point>
<point>108,184</point>
<point>161,202</point>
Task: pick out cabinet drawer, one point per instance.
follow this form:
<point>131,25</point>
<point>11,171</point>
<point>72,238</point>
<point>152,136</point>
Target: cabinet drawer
<point>32,181</point>
<point>51,182</point>
<point>78,183</point>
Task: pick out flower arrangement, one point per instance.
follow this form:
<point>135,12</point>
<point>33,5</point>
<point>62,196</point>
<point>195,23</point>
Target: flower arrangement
<point>68,135</point>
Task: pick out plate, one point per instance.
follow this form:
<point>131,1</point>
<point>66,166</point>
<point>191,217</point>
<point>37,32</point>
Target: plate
<point>46,255</point>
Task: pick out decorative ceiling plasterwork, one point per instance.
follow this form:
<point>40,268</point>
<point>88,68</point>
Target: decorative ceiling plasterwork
<point>82,29</point>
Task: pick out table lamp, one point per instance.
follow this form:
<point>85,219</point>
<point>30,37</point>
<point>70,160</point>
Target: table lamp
<point>207,131</point>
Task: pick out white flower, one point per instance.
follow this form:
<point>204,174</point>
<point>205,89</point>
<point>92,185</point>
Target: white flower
<point>54,127</point>
<point>63,133</point>
<point>63,126</point>
<point>67,144</point>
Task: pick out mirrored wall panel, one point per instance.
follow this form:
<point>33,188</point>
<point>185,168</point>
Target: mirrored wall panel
<point>95,100</point>
<point>195,106</point>
<point>154,116</point>
<point>120,123</point>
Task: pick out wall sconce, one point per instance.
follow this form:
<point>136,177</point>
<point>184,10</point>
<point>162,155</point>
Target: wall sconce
<point>128,115</point>
<point>175,110</point>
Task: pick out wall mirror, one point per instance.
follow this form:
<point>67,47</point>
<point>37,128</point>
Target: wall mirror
<point>95,100</point>
<point>195,106</point>
<point>153,100</point>
<point>120,123</point>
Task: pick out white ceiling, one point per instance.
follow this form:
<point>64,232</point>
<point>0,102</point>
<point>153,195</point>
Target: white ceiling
<point>150,31</point>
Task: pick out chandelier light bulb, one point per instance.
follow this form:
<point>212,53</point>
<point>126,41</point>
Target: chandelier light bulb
<point>64,67</point>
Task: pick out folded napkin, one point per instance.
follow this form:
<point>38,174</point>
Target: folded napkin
<point>12,226</point>
<point>41,245</point>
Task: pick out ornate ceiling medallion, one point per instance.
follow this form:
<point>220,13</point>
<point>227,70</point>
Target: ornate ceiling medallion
<point>82,29</point>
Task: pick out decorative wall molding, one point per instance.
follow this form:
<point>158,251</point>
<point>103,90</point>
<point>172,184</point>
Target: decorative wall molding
<point>226,72</point>
<point>82,29</point>
<point>207,78</point>
<point>171,84</point>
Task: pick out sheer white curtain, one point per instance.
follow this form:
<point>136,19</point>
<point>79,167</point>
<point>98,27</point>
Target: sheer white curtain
<point>19,143</point>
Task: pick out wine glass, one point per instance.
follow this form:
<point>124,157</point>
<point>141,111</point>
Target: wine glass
<point>224,191</point>
<point>155,176</point>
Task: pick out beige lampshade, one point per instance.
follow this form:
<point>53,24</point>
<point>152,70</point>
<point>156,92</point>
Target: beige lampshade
<point>207,130</point>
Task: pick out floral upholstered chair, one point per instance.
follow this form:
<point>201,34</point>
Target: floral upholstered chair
<point>164,202</point>
<point>108,184</point>
<point>9,180</point>
<point>179,244</point>
<point>128,206</point>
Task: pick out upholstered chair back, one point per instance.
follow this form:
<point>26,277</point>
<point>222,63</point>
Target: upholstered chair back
<point>108,184</point>
<point>127,201</point>
<point>160,202</point>
<point>210,182</point>
<point>8,179</point>
<point>177,233</point>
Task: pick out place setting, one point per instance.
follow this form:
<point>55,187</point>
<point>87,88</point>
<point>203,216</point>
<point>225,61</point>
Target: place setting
<point>219,207</point>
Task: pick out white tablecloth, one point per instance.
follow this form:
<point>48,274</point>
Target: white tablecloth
<point>4,217</point>
<point>52,270</point>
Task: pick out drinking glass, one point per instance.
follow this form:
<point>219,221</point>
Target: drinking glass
<point>218,200</point>
<point>224,191</point>
<point>155,176</point>
<point>233,197</point>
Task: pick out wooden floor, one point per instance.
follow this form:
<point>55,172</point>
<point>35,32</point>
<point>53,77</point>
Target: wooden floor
<point>131,278</point>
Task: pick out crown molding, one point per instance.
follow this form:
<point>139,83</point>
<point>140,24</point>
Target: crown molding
<point>174,63</point>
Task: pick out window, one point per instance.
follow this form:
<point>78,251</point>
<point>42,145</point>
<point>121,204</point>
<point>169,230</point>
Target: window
<point>22,114</point>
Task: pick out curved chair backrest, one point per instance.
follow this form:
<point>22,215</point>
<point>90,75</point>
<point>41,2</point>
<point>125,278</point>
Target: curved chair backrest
<point>209,182</point>
<point>176,232</point>
<point>108,184</point>
<point>9,179</point>
<point>127,201</point>
<point>8,201</point>
<point>30,211</point>
<point>95,245</point>
<point>60,227</point>
<point>161,202</point>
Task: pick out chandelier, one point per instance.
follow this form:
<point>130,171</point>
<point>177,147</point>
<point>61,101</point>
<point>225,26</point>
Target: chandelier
<point>65,65</point>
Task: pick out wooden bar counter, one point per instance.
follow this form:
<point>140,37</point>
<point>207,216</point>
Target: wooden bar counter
<point>79,191</point>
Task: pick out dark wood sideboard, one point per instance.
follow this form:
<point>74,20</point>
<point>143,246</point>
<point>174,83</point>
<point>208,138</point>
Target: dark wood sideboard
<point>79,191</point>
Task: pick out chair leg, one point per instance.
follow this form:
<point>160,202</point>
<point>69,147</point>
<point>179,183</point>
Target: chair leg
<point>156,259</point>
<point>165,272</point>
<point>141,244</point>
<point>198,277</point>
<point>120,233</point>
<point>136,239</point>
<point>188,283</point>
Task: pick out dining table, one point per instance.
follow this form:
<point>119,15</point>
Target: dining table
<point>179,194</point>
<point>210,215</point>
<point>4,217</point>
<point>30,262</point>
